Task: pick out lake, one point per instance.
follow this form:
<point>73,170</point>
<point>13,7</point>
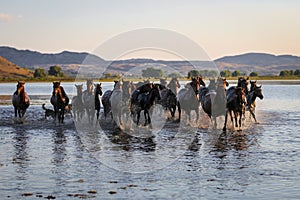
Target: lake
<point>40,158</point>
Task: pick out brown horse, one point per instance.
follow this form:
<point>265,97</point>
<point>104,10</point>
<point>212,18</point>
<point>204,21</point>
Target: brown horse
<point>78,108</point>
<point>214,102</point>
<point>59,100</point>
<point>20,100</point>
<point>188,98</point>
<point>236,101</point>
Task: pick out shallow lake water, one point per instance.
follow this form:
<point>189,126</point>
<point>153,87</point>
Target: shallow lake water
<point>41,158</point>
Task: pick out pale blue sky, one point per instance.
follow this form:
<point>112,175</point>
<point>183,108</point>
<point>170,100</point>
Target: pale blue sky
<point>220,27</point>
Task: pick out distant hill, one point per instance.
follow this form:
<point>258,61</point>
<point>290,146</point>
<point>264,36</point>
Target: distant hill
<point>10,70</point>
<point>71,62</point>
<point>30,59</point>
<point>261,59</point>
<point>265,64</point>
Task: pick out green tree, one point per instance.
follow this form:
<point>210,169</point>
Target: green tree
<point>55,71</point>
<point>225,73</point>
<point>297,72</point>
<point>174,75</point>
<point>39,73</point>
<point>254,74</point>
<point>286,73</point>
<point>194,73</point>
<point>152,73</point>
<point>236,73</point>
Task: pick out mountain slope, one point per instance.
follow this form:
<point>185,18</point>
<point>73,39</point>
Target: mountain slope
<point>10,70</point>
<point>29,59</point>
<point>260,59</point>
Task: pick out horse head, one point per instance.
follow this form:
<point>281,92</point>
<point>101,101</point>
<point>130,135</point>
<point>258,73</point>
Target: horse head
<point>253,85</point>
<point>89,86</point>
<point>98,89</point>
<point>20,86</point>
<point>79,89</point>
<point>258,92</point>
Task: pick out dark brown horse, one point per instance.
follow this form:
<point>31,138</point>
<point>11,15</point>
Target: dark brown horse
<point>106,102</point>
<point>188,98</point>
<point>98,92</point>
<point>214,101</point>
<point>144,101</point>
<point>20,100</point>
<point>256,91</point>
<point>77,103</point>
<point>236,102</point>
<point>59,100</point>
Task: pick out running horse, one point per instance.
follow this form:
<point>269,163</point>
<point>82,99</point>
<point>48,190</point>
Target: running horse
<point>106,102</point>
<point>119,101</point>
<point>174,85</point>
<point>255,91</point>
<point>89,100</point>
<point>188,98</point>
<point>213,102</point>
<point>77,103</point>
<point>59,100</point>
<point>98,92</point>
<point>20,100</point>
<point>144,102</point>
<point>236,101</point>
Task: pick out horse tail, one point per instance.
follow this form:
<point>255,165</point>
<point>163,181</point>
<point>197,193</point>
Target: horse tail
<point>43,106</point>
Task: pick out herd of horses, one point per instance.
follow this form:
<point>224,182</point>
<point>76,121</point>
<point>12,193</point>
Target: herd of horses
<point>129,100</point>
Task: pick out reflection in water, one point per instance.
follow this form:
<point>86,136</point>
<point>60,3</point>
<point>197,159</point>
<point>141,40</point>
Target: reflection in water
<point>59,156</point>
<point>21,159</point>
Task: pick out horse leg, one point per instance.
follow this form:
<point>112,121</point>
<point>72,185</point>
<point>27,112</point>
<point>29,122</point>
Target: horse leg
<point>240,120</point>
<point>138,117</point>
<point>231,117</point>
<point>225,123</point>
<point>15,112</point>
<point>145,115</point>
<point>179,111</point>
<point>252,114</point>
<point>62,115</point>
<point>235,118</point>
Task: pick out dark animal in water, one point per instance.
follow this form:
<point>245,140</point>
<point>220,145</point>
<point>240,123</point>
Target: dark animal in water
<point>214,102</point>
<point>77,102</point>
<point>106,102</point>
<point>243,83</point>
<point>48,112</point>
<point>174,85</point>
<point>144,101</point>
<point>236,102</point>
<point>256,91</point>
<point>59,100</point>
<point>89,100</point>
<point>98,93</point>
<point>169,101</point>
<point>20,100</point>
<point>119,101</point>
<point>188,98</point>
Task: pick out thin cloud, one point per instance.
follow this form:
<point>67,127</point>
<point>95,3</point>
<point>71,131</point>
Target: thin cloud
<point>5,17</point>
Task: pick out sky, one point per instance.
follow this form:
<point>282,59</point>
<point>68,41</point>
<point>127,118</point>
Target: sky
<point>221,28</point>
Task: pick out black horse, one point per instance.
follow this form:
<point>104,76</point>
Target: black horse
<point>213,101</point>
<point>98,92</point>
<point>144,101</point>
<point>255,91</point>
<point>236,101</point>
<point>59,100</point>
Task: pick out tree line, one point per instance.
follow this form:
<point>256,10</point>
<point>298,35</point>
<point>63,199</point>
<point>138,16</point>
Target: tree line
<point>53,71</point>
